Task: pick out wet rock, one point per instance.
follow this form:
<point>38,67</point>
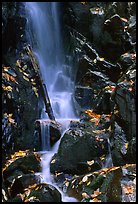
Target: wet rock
<point>84,96</point>
<point>113,184</point>
<point>119,146</point>
<point>127,60</point>
<point>125,100</point>
<point>24,165</point>
<point>16,199</point>
<point>44,193</point>
<point>50,127</point>
<point>20,183</point>
<point>95,92</point>
<point>77,146</point>
<point>115,38</point>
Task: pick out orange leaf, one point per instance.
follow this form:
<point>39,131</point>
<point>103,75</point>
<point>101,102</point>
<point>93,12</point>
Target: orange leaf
<point>125,20</point>
<point>95,194</point>
<point>95,200</point>
<point>128,189</point>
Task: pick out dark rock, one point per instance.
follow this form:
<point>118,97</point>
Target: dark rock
<point>119,146</point>
<point>21,182</point>
<point>50,127</point>
<point>130,156</point>
<point>84,96</point>
<point>24,164</point>
<point>126,60</point>
<point>115,39</point>
<point>44,193</point>
<point>95,92</point>
<point>16,199</point>
<point>125,100</point>
<point>109,182</point>
<point>78,146</point>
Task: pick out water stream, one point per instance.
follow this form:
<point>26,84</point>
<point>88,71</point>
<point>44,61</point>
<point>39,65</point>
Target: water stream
<point>44,34</point>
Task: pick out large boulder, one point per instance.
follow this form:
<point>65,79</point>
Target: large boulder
<point>113,184</point>
<point>20,166</point>
<point>78,146</point>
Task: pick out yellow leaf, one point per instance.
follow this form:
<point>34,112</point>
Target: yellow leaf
<point>102,157</point>
<point>18,63</point>
<point>95,200</point>
<point>95,194</point>
<point>7,88</point>
<point>88,183</point>
<point>128,189</point>
<point>26,78</point>
<point>102,146</point>
<point>101,59</point>
<point>95,60</point>
<point>67,184</point>
<point>6,69</point>
<point>126,145</point>
<point>85,178</point>
<point>53,161</point>
<point>83,3</point>
<point>90,162</point>
<point>125,20</point>
<point>85,195</point>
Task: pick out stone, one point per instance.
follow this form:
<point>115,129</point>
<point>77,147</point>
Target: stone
<point>77,146</point>
<point>45,193</point>
<point>54,130</point>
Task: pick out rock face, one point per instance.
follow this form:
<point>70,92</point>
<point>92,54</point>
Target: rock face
<point>106,185</point>
<point>44,193</point>
<point>77,146</point>
<point>51,129</point>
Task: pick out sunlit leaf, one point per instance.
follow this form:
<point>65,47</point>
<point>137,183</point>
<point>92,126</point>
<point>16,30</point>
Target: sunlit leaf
<point>85,195</point>
<point>83,3</point>
<point>85,178</point>
<point>98,131</point>
<point>95,194</point>
<point>90,162</point>
<point>18,63</point>
<point>128,189</point>
<point>73,181</point>
<point>53,161</point>
<point>26,78</point>
<point>102,157</point>
<point>67,184</point>
<point>7,88</point>
<point>88,183</point>
<point>95,60</point>
<point>101,59</point>
<point>6,68</point>
<point>95,200</point>
<point>125,20</point>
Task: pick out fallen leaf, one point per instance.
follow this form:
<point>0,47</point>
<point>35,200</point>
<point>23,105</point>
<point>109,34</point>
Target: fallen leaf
<point>85,195</point>
<point>85,178</point>
<point>90,162</point>
<point>67,184</point>
<point>128,189</point>
<point>95,194</point>
<point>125,20</point>
<point>95,200</point>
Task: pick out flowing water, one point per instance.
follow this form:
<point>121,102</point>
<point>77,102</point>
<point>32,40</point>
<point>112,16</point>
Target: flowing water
<point>44,34</point>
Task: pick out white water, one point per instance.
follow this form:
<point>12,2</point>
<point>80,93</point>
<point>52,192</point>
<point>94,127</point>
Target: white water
<point>45,38</point>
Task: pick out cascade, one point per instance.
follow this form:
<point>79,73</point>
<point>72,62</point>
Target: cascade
<point>44,35</point>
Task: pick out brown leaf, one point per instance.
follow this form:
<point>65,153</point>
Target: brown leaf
<point>95,194</point>
<point>128,189</point>
<point>85,195</point>
<point>95,200</point>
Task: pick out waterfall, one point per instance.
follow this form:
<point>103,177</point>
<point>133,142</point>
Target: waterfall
<point>44,35</point>
<point>46,41</point>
